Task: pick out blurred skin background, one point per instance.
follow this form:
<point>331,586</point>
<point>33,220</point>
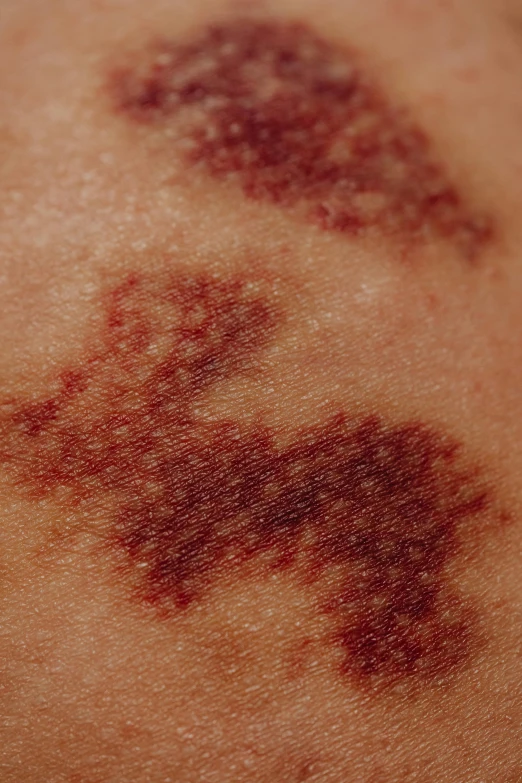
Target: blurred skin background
<point>93,690</point>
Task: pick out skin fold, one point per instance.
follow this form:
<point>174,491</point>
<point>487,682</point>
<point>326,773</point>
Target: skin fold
<point>260,411</point>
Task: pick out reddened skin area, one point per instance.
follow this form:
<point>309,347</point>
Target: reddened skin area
<point>293,120</point>
<point>370,512</point>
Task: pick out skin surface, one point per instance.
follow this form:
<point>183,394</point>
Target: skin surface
<point>260,411</point>
<point>293,118</point>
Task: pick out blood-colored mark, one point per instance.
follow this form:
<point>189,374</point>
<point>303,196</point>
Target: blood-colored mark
<point>293,120</point>
<point>368,511</point>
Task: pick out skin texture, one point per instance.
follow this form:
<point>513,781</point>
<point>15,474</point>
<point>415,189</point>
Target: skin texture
<point>377,507</point>
<point>260,418</point>
<point>293,119</point>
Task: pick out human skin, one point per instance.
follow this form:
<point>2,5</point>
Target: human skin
<point>101,679</point>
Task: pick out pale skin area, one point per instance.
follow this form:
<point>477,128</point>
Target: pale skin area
<point>95,689</point>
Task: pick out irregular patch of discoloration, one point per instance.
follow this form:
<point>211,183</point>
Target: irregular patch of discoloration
<point>294,121</point>
<point>367,512</point>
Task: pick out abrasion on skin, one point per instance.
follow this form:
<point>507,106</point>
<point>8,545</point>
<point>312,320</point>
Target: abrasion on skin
<point>294,121</point>
<point>369,512</point>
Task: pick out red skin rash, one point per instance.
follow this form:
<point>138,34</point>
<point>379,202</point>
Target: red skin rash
<point>292,120</point>
<point>383,506</point>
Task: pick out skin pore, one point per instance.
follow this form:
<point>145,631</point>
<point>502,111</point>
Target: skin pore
<point>259,423</point>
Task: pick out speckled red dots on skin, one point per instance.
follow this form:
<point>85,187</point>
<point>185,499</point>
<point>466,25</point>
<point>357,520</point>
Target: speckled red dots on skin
<point>293,120</point>
<point>370,513</point>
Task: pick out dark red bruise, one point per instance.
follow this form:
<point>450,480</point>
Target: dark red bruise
<point>291,119</point>
<point>368,511</point>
